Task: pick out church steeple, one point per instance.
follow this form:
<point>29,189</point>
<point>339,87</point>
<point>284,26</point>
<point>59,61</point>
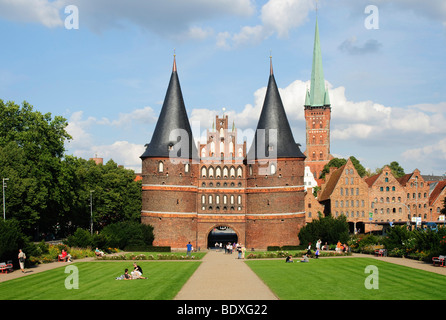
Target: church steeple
<point>273,116</point>
<point>318,95</point>
<point>317,114</point>
<point>167,138</point>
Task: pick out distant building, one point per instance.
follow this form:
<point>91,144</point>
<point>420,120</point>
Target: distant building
<point>317,115</point>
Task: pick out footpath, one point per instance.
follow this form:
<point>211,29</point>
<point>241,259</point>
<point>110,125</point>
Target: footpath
<point>222,276</point>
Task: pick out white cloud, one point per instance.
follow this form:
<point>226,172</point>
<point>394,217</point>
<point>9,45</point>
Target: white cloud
<point>34,11</point>
<point>281,16</point>
<point>431,153</point>
<point>277,16</point>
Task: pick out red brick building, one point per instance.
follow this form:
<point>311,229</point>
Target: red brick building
<point>189,193</point>
<point>317,115</point>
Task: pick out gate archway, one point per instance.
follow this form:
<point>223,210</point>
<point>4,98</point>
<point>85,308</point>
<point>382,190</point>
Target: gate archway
<point>221,234</point>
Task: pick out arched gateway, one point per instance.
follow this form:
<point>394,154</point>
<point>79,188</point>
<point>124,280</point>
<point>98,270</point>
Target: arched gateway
<point>222,234</point>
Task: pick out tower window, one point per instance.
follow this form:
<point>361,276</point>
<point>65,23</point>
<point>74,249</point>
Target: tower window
<point>160,166</point>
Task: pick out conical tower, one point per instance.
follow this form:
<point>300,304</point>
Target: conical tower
<point>173,135</point>
<point>169,173</point>
<point>273,137</point>
<point>275,197</point>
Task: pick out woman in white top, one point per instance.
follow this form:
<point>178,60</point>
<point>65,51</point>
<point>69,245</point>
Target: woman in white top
<point>22,258</point>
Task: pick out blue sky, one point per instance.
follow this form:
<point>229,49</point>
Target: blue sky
<point>108,78</point>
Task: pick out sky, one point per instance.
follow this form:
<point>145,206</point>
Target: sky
<point>105,66</point>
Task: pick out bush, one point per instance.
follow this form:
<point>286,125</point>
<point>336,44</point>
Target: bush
<point>81,238</point>
<point>123,234</point>
<point>328,229</point>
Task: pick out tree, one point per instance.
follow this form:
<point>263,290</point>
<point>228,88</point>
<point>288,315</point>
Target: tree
<point>31,149</point>
<point>339,162</point>
<point>395,167</point>
<point>328,229</point>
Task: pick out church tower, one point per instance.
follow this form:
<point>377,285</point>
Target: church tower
<point>317,115</point>
<point>170,172</point>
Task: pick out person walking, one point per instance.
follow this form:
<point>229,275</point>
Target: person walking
<point>22,258</point>
<point>189,248</point>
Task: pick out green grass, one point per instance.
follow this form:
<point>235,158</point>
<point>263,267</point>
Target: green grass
<point>338,279</point>
<point>97,281</point>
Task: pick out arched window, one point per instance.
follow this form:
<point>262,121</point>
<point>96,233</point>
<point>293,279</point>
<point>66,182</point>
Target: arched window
<point>211,172</point>
<point>225,172</point>
<point>160,166</point>
<point>272,168</point>
<point>218,172</point>
<point>203,172</point>
<point>232,172</point>
<point>239,199</point>
<point>239,172</point>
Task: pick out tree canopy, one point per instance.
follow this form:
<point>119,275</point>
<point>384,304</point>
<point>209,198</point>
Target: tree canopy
<point>49,191</point>
<point>339,162</point>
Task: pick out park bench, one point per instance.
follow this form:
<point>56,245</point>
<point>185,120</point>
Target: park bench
<point>439,259</point>
<point>381,253</point>
<point>6,267</point>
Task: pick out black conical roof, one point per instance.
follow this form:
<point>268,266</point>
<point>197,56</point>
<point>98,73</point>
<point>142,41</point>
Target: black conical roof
<point>173,116</point>
<point>273,116</point>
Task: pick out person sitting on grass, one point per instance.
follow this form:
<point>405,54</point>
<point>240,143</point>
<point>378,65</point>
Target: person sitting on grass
<point>289,259</point>
<point>125,276</point>
<point>304,258</point>
<point>137,272</point>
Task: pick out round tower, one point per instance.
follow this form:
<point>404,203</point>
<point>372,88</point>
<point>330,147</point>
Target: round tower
<point>169,174</point>
<point>275,171</point>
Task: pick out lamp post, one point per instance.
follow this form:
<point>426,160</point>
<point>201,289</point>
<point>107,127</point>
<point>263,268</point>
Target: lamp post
<point>91,211</point>
<point>4,207</point>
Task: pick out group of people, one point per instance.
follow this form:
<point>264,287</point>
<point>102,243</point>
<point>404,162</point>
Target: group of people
<point>135,274</point>
<point>304,258</point>
<point>231,247</point>
<point>339,248</point>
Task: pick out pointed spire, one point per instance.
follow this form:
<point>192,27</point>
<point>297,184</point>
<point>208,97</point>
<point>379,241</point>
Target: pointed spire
<point>174,68</point>
<point>272,120</point>
<point>317,89</point>
<point>271,65</point>
<point>173,116</point>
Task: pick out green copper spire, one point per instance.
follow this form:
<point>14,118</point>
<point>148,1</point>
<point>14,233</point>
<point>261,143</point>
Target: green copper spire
<point>318,95</point>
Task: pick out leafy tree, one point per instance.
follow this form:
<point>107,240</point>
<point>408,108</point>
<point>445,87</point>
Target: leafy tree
<point>339,162</point>
<point>395,167</point>
<point>328,229</point>
<point>31,149</point>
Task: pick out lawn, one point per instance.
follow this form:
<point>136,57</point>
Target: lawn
<point>344,278</point>
<point>97,281</point>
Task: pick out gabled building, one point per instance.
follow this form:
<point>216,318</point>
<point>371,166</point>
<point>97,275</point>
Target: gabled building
<point>344,192</point>
<point>387,198</point>
<point>417,195</point>
<point>437,198</point>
